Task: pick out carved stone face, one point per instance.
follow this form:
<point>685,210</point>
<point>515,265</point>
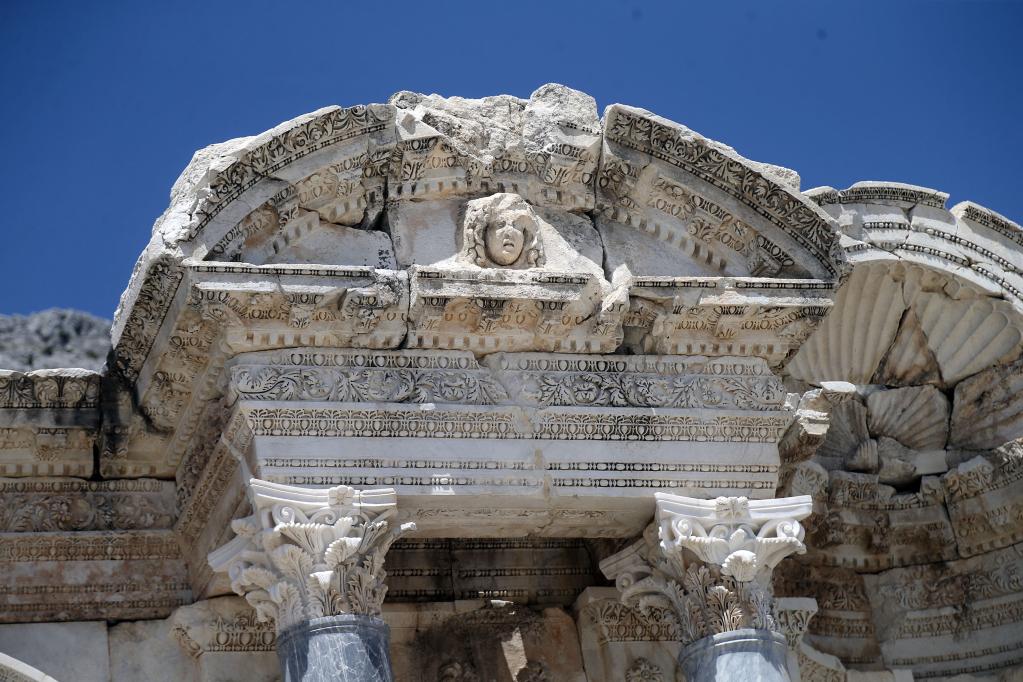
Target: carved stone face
<point>506,237</point>
<point>502,231</point>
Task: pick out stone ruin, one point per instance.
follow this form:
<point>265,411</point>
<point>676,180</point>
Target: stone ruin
<point>611,402</point>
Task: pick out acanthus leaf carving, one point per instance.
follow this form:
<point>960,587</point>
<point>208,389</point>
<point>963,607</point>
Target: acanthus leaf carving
<point>309,553</point>
<point>737,542</point>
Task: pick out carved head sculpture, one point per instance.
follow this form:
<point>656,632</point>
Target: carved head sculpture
<point>502,231</point>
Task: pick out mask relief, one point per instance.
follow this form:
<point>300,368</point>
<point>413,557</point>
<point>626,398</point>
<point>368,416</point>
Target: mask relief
<point>502,231</point>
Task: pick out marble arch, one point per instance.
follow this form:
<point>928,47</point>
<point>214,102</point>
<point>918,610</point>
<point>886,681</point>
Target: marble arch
<point>609,400</point>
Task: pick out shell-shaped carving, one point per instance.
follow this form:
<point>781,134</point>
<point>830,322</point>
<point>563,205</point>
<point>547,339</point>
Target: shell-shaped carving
<point>852,339</point>
<point>847,431</point>
<point>909,361</point>
<point>968,335</point>
<point>916,416</point>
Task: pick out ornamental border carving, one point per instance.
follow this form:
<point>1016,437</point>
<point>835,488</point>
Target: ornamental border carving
<point>789,211</point>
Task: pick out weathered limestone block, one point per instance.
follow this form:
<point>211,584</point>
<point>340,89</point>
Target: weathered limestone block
<point>320,161</point>
<point>947,619</point>
<point>211,486</point>
<point>793,615</point>
<point>617,640</point>
<point>48,422</point>
<point>513,311</point>
<point>973,250</point>
<point>678,382</point>
<point>408,620</point>
<point>353,376</point>
<point>230,205</point>
<point>228,308</point>
<point>912,223</point>
<point>988,408</point>
<point>909,361</point>
<point>307,238</point>
<point>85,575</point>
<point>847,445</point>
<point>146,650</point>
<point>995,242</point>
<point>843,625</point>
<point>849,344</point>
<point>72,504</point>
<point>425,232</point>
<point>816,666</point>
<point>724,316</point>
<point>61,651</point>
<point>894,194</point>
<point>808,430</point>
<point>898,434</point>
<point>225,641</point>
<point>985,502</point>
<point>917,417</point>
<point>806,478</point>
<point>870,527</point>
<point>968,335</point>
<point>225,183</point>
<point>545,148</point>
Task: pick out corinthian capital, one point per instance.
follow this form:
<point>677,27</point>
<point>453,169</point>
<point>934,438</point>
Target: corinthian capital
<point>708,562</point>
<point>744,539</point>
<point>307,553</point>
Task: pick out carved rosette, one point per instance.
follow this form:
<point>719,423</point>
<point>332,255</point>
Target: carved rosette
<point>643,670</point>
<point>309,553</point>
<point>710,562</point>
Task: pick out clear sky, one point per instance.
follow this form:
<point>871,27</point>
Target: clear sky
<point>103,103</point>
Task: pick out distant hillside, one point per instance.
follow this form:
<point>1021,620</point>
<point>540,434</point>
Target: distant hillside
<point>53,338</point>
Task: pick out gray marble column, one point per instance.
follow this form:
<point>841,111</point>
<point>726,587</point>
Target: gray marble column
<point>344,648</point>
<point>746,655</point>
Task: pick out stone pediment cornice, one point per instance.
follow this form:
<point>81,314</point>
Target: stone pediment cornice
<point>238,200</point>
<point>49,421</point>
<point>756,205</point>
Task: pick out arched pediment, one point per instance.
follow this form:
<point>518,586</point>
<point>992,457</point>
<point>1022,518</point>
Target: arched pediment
<point>698,208</point>
<point>387,187</point>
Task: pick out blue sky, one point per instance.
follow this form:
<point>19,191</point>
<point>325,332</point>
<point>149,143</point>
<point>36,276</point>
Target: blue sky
<point>103,103</point>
